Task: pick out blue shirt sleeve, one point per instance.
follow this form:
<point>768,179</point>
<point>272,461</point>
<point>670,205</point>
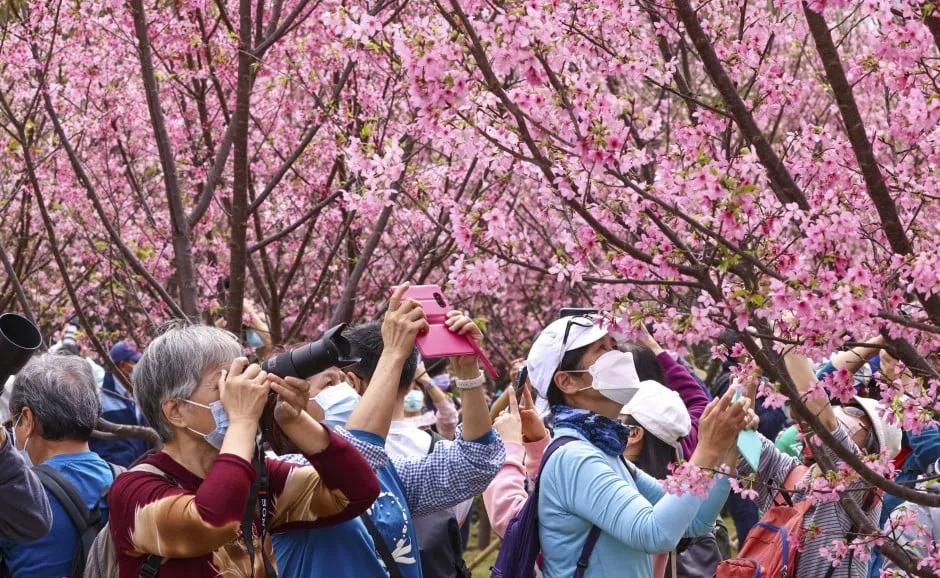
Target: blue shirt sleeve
<point>925,449</point>
<point>454,472</point>
<point>637,514</point>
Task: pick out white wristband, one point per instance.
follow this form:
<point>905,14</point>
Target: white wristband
<point>471,383</point>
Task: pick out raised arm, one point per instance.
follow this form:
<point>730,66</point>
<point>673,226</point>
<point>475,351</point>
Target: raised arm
<point>339,486</point>
<point>852,359</point>
<point>476,414</point>
<point>403,321</point>
<point>26,514</point>
<point>506,495</point>
<point>803,376</point>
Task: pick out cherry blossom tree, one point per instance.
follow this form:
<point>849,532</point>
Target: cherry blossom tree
<point>697,167</point>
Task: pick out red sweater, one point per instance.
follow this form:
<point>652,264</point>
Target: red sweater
<point>196,525</point>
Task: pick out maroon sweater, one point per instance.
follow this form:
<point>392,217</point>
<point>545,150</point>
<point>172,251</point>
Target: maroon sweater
<point>196,525</point>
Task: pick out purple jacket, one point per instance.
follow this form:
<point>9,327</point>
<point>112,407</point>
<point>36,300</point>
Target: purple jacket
<point>681,381</point>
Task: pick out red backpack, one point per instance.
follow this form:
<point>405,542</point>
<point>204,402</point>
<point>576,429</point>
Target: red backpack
<point>770,547</point>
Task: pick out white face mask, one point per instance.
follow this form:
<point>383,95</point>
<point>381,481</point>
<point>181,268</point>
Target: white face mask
<point>338,402</point>
<point>23,453</point>
<point>614,376</point>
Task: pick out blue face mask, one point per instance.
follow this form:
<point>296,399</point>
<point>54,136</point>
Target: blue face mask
<point>216,436</point>
<point>253,340</point>
<point>338,402</point>
<point>414,401</point>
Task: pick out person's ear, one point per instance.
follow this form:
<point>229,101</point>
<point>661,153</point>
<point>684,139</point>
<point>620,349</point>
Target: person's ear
<point>566,382</point>
<point>637,434</point>
<point>173,412</point>
<point>29,423</point>
<point>356,382</point>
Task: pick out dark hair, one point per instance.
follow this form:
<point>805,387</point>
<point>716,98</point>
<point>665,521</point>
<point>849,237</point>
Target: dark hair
<point>645,362</point>
<point>435,367</point>
<point>655,456</point>
<point>570,361</point>
<point>366,341</point>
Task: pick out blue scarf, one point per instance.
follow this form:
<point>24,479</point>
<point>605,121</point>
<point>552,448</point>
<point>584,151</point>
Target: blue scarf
<point>608,435</point>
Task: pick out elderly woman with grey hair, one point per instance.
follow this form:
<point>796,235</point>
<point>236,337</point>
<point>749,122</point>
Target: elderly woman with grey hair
<point>54,407</point>
<point>183,510</point>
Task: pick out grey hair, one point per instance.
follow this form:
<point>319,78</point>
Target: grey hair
<point>171,366</point>
<point>61,392</point>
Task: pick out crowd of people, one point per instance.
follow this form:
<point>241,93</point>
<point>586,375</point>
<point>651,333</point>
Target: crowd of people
<point>371,469</point>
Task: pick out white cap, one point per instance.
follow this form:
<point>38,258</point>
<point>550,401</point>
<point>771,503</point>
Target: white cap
<point>548,350</point>
<point>889,436</point>
<point>660,411</point>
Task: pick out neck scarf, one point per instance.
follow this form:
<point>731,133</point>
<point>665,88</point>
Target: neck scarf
<point>608,435</point>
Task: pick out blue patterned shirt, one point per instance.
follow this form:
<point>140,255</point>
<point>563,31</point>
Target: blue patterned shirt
<point>452,473</point>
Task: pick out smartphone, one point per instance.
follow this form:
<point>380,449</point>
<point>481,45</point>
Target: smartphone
<point>439,341</point>
<point>573,311</point>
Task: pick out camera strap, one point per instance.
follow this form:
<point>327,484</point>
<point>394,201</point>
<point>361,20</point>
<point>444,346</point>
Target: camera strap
<point>259,502</point>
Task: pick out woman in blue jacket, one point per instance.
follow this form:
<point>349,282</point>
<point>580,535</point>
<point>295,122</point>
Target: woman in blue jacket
<point>575,364</point>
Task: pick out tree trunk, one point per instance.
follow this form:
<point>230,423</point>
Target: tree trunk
<point>239,221</point>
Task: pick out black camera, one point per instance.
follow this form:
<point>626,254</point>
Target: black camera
<point>331,350</point>
<point>19,340</point>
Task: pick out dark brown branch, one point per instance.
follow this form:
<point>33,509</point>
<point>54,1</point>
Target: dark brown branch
<point>17,287</point>
<point>238,223</point>
<point>344,309</point>
<point>785,188</point>
<point>92,195</point>
<point>182,248</point>
<point>293,226</point>
<point>875,184</point>
<point>108,430</point>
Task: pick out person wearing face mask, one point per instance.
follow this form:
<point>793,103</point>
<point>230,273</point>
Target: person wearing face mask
<point>587,484</point>
<point>55,407</point>
<point>385,542</point>
<point>183,513</point>
<point>859,427</point>
<point>119,406</point>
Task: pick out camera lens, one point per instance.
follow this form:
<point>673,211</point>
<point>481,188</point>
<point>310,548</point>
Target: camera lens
<point>440,299</point>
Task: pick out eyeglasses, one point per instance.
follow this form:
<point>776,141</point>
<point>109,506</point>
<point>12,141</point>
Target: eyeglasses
<point>858,421</point>
<point>585,321</point>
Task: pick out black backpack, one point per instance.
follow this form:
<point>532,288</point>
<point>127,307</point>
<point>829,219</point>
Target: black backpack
<point>87,522</point>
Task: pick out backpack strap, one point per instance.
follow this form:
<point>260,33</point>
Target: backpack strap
<point>868,502</point>
<point>595,532</point>
<point>435,437</point>
<point>66,494</point>
<point>793,478</point>
<point>381,547</point>
<point>589,544</point>
<point>152,564</point>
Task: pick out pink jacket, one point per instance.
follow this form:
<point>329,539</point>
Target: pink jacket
<point>506,494</point>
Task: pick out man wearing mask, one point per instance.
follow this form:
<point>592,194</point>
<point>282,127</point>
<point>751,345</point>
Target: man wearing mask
<point>119,406</point>
<point>383,542</point>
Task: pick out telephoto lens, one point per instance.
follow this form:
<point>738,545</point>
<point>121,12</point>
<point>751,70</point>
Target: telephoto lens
<point>19,340</point>
<point>331,350</point>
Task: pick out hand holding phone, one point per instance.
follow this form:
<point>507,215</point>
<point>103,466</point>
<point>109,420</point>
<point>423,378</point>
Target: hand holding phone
<point>444,339</point>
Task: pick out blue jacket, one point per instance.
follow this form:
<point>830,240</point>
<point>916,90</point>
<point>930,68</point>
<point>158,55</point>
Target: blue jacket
<point>117,406</point>
<point>581,486</point>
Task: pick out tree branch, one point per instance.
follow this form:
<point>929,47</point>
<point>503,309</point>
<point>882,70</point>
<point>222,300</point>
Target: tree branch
<point>785,188</point>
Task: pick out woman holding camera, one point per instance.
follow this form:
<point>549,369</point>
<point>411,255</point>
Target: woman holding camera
<point>184,509</point>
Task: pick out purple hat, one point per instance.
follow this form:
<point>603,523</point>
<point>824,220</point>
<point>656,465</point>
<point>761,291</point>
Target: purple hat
<point>124,351</point>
